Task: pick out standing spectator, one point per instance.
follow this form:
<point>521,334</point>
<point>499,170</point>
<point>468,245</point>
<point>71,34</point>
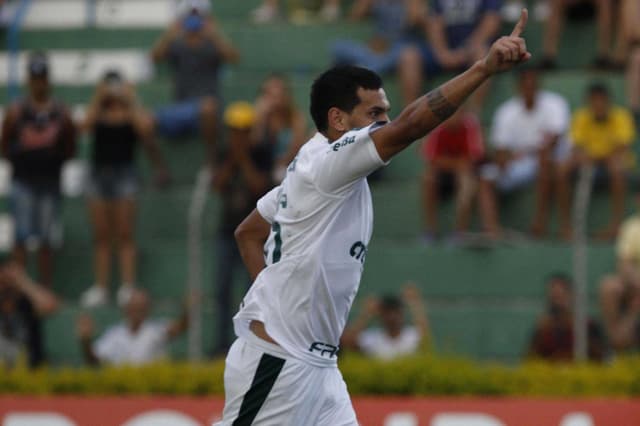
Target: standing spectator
<point>620,292</point>
<point>38,136</point>
<point>452,152</point>
<point>195,50</point>
<point>553,337</point>
<point>602,134</point>
<point>529,136</point>
<point>605,11</point>
<point>117,124</point>
<point>242,179</point>
<point>458,33</point>
<point>269,11</point>
<point>137,340</point>
<point>632,14</point>
<point>395,22</point>
<point>394,338</point>
<point>22,304</point>
<point>279,122</point>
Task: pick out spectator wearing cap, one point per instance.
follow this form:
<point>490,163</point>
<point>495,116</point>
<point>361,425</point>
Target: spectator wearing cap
<point>195,50</point>
<point>23,304</point>
<point>602,134</point>
<point>553,337</point>
<point>394,337</point>
<point>137,340</point>
<point>38,136</point>
<point>243,178</point>
<point>117,125</point>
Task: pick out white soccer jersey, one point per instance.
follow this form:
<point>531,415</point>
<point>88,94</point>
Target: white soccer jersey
<point>321,220</point>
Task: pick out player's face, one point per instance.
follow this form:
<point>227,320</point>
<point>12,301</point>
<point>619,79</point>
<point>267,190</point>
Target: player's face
<point>374,106</point>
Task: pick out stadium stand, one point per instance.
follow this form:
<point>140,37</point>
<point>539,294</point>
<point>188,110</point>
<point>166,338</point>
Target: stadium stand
<point>481,303</point>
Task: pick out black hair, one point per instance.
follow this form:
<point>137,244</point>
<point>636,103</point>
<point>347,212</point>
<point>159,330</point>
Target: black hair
<point>390,302</point>
<point>338,87</point>
<point>561,277</point>
<point>598,88</point>
<point>112,76</point>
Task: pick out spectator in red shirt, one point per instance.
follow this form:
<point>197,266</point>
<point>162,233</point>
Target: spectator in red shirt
<point>451,152</point>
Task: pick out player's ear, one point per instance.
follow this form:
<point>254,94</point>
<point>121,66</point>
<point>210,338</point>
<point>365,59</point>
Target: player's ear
<point>338,119</point>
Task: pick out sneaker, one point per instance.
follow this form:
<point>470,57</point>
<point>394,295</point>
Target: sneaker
<point>264,14</point>
<point>511,11</point>
<point>541,11</point>
<point>124,294</point>
<point>94,296</point>
<point>330,13</point>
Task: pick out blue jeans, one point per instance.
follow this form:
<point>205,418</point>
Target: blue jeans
<point>349,52</point>
<point>36,212</point>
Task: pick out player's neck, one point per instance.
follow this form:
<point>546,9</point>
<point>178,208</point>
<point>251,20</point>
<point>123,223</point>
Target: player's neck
<point>332,135</point>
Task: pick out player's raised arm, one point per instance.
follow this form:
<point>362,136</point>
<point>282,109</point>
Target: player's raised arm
<point>430,110</point>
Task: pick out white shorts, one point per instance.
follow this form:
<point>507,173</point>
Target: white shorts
<point>517,174</point>
<point>264,386</point>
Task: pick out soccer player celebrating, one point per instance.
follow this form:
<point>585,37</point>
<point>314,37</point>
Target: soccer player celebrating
<point>305,243</point>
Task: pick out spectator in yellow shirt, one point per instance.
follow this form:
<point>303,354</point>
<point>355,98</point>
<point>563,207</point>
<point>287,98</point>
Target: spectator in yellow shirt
<point>620,292</point>
<point>602,134</point>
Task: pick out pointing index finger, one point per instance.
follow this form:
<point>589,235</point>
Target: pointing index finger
<point>522,23</point>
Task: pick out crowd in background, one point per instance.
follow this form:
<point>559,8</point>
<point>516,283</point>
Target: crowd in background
<point>533,141</point>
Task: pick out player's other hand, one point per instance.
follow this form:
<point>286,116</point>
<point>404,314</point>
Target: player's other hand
<point>509,51</point>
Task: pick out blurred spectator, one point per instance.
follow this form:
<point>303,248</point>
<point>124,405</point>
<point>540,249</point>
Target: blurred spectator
<point>195,50</point>
<point>457,34</point>
<point>620,292</point>
<point>394,338</point>
<point>607,22</point>
<point>269,10</point>
<point>38,136</point>
<point>452,152</point>
<point>22,304</point>
<point>279,122</point>
<point>117,124</point>
<point>529,137</point>
<point>394,23</point>
<point>632,13</point>
<point>137,340</point>
<point>242,179</point>
<point>553,337</point>
<point>602,134</point>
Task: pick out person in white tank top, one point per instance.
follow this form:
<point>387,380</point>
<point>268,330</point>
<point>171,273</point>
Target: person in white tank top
<point>306,242</point>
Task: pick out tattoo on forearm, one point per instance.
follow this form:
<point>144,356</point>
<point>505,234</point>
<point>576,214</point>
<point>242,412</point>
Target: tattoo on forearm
<point>439,105</point>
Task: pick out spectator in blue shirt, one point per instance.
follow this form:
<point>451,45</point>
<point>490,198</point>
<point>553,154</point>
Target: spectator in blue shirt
<point>394,24</point>
<point>458,32</point>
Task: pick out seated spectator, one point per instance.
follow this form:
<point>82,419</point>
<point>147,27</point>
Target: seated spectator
<point>22,304</point>
<point>605,11</point>
<point>529,137</point>
<point>243,178</point>
<point>269,11</point>
<point>553,338</point>
<point>117,125</point>
<point>38,136</point>
<point>393,338</point>
<point>457,34</point>
<point>620,292</point>
<point>195,50</point>
<point>279,122</point>
<point>137,340</point>
<point>452,152</point>
<point>394,23</point>
<point>602,134</point>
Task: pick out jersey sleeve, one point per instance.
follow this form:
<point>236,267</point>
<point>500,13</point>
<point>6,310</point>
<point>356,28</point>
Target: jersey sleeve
<point>347,160</point>
<point>624,127</point>
<point>267,206</point>
<point>579,128</point>
<point>558,115</point>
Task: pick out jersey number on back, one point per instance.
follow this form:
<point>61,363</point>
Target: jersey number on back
<point>277,239</point>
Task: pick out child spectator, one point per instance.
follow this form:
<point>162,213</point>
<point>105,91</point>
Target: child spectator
<point>393,338</point>
<point>395,22</point>
<point>602,134</point>
<point>117,125</point>
<point>452,152</point>
<point>38,136</point>
<point>137,340</point>
<point>23,303</point>
<point>195,50</point>
<point>279,122</point>
<point>529,137</point>
<point>553,338</point>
